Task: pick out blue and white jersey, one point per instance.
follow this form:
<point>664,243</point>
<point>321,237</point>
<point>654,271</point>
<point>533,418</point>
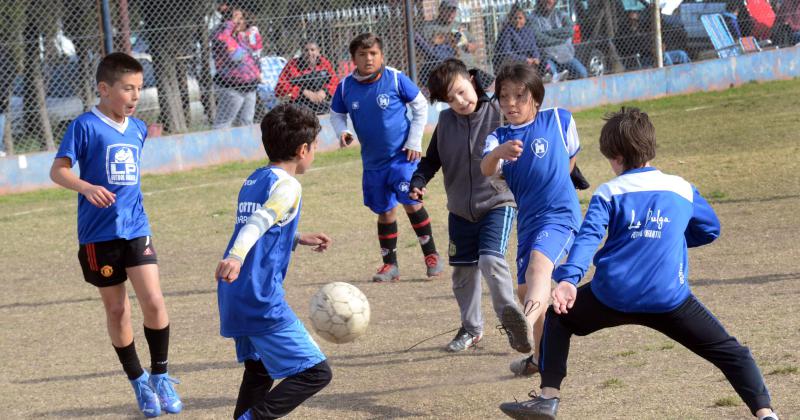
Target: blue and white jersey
<point>267,215</point>
<point>378,113</point>
<point>651,218</point>
<point>539,178</point>
<point>108,154</point>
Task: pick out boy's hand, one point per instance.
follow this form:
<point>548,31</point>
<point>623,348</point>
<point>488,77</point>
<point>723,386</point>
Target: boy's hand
<point>320,241</point>
<point>228,270</point>
<point>99,196</point>
<point>417,193</point>
<point>345,139</point>
<point>509,151</point>
<point>413,155</point>
<point>564,296</point>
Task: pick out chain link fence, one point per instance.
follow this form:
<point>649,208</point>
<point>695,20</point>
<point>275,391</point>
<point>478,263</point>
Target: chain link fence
<point>211,64</point>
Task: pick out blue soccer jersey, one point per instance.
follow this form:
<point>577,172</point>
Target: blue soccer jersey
<point>378,113</point>
<point>108,154</point>
<point>267,215</point>
<point>539,178</point>
<point>651,218</point>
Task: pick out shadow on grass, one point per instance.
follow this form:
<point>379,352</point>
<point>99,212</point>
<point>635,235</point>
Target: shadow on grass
<point>176,368</point>
<point>767,278</point>
<point>179,293</point>
<point>130,410</point>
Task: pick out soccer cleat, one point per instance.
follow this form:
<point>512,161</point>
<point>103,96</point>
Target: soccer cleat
<point>526,367</point>
<point>462,341</point>
<point>145,396</point>
<point>514,324</point>
<point>537,408</point>
<point>247,415</point>
<point>170,400</point>
<point>434,264</point>
<point>387,273</point>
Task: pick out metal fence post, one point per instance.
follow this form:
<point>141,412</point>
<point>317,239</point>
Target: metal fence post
<point>108,35</point>
<point>659,46</point>
<point>412,62</point>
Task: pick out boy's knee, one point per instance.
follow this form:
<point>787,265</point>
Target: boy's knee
<point>116,312</point>
<point>320,374</point>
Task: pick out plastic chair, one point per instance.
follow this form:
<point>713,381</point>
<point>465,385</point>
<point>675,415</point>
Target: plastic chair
<point>720,36</point>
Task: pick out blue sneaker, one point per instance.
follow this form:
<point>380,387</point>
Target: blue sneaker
<point>247,415</point>
<point>145,396</point>
<point>170,400</point>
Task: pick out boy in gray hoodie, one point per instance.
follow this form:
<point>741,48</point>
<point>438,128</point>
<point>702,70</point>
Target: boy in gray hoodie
<point>482,209</point>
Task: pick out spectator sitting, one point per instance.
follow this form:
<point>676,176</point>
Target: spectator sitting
<point>636,46</point>
<point>786,30</point>
<point>236,46</point>
<point>553,32</point>
<point>308,80</point>
<point>447,36</point>
<point>516,42</point>
<point>737,18</point>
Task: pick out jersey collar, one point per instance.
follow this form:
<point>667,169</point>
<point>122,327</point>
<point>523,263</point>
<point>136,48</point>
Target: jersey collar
<point>514,127</point>
<point>121,127</point>
<point>640,170</point>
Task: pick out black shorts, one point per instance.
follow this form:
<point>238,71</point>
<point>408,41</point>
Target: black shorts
<point>104,263</point>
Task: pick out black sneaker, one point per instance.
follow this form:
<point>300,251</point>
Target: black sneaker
<point>516,327</point>
<point>462,341</point>
<point>537,408</point>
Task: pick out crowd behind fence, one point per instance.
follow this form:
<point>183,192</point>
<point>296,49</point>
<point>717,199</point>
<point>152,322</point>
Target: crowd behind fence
<point>213,64</point>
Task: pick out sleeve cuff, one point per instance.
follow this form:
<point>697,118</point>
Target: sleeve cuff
<point>296,241</point>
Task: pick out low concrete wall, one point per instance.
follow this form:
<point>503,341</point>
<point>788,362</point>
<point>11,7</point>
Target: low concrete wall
<point>185,151</point>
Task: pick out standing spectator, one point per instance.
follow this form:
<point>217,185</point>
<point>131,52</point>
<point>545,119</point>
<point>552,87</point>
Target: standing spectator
<point>308,80</point>
<point>444,30</point>
<point>553,32</point>
<point>236,45</point>
<point>517,42</point>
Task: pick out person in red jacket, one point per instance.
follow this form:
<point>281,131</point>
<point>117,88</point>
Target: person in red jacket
<point>308,80</point>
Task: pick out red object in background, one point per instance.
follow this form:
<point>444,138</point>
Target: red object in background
<point>345,68</point>
<point>155,130</point>
<point>576,34</point>
<point>763,17</point>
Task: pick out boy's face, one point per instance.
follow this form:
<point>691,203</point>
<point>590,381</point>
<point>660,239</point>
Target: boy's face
<point>462,96</point>
<point>306,153</point>
<point>517,103</point>
<point>120,98</point>
<point>368,60</point>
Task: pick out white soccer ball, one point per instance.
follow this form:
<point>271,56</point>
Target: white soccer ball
<point>339,312</point>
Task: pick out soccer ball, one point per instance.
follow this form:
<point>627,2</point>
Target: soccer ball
<point>339,312</point>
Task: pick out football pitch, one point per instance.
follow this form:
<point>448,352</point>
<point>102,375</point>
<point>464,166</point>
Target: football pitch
<point>740,148</point>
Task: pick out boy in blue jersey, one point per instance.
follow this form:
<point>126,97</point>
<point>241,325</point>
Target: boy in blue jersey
<point>270,340</point>
<point>375,96</point>
<point>641,275</point>
<point>113,229</point>
<point>535,154</point>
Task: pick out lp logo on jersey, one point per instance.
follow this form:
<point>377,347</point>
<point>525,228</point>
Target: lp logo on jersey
<point>122,164</point>
<point>383,101</point>
<point>539,147</point>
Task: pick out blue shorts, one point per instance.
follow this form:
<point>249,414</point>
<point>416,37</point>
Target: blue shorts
<point>284,353</point>
<point>551,240</point>
<point>384,188</point>
<point>489,235</point>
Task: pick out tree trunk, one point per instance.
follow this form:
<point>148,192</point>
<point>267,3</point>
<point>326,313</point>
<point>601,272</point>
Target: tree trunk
<point>169,95</point>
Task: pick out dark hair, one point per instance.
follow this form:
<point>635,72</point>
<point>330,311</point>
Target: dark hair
<point>520,73</point>
<point>365,40</point>
<point>628,134</point>
<point>285,128</point>
<point>442,77</point>
<point>113,66</point>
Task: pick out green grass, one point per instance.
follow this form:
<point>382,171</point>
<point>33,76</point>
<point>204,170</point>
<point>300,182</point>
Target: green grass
<point>728,402</point>
<point>786,370</point>
<point>613,383</point>
<point>626,353</point>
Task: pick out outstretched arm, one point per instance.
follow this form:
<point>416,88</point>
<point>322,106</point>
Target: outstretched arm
<point>703,227</point>
<point>589,237</point>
